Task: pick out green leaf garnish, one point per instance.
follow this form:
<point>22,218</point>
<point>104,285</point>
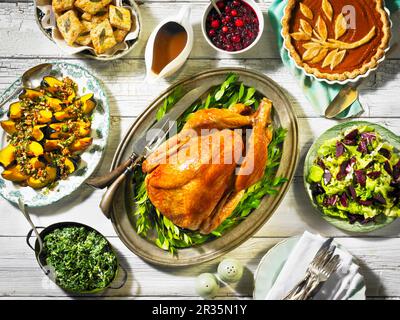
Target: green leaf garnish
<point>171,237</point>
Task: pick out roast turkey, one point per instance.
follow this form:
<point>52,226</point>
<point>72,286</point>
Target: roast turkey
<point>197,177</point>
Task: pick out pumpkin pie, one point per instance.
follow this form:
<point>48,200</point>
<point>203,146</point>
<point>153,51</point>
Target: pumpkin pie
<point>336,40</point>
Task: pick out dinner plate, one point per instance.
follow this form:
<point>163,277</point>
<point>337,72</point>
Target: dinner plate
<point>91,157</point>
<point>122,215</point>
<point>331,133</point>
<point>272,263</point>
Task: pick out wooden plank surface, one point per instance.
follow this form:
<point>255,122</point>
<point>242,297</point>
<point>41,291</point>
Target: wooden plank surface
<point>378,252</point>
<point>375,255</point>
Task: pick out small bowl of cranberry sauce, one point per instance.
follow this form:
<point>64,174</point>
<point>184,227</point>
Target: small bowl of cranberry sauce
<point>237,29</point>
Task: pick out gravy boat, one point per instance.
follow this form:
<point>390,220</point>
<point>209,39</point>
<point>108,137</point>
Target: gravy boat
<point>183,19</point>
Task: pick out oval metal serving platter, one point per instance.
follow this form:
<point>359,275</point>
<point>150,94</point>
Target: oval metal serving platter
<point>122,216</point>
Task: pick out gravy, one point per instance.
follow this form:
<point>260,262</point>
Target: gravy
<point>169,42</point>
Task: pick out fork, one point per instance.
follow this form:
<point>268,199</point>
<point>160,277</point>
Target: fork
<point>314,271</point>
<point>319,258</point>
<point>331,266</point>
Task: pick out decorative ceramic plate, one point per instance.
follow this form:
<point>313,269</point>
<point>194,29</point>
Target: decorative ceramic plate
<point>124,208</point>
<point>315,60</point>
<point>333,132</point>
<point>91,157</point>
<point>43,21</point>
<point>271,265</point>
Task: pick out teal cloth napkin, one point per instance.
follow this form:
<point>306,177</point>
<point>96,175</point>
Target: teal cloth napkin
<point>320,94</point>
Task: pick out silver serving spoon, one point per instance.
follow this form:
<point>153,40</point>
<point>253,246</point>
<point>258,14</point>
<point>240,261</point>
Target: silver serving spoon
<point>30,79</point>
<point>214,3</point>
<point>46,269</point>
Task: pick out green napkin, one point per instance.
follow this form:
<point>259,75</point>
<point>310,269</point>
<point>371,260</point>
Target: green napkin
<point>320,94</point>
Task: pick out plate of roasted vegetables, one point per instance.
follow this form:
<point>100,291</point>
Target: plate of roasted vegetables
<point>352,176</point>
<point>53,136</point>
<point>195,209</point>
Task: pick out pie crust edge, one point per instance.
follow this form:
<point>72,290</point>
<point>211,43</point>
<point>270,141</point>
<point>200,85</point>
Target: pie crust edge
<point>373,63</point>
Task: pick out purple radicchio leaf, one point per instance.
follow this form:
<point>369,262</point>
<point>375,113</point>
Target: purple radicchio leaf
<point>353,192</point>
<point>339,149</point>
<point>387,167</point>
<point>343,170</point>
<point>386,153</point>
<point>379,198</point>
<point>368,137</point>
<point>352,162</point>
<point>396,171</point>
<point>316,189</point>
<point>362,147</point>
<point>331,200</point>
<point>353,218</point>
<point>321,163</point>
<point>351,138</point>
<point>327,176</point>
<point>374,174</point>
<point>365,202</point>
<point>343,199</point>
<point>360,177</point>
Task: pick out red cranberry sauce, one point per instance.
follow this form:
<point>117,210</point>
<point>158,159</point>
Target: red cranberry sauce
<point>236,29</point>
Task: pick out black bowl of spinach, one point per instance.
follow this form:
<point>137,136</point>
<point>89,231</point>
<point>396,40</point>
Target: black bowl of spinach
<point>81,259</point>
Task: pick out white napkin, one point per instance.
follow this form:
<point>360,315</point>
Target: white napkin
<point>341,284</point>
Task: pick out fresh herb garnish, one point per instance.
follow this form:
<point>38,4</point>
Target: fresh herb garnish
<point>171,237</point>
<point>102,36</point>
<point>119,14</point>
<point>67,25</point>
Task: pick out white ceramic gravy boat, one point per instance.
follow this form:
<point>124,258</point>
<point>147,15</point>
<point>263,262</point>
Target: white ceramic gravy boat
<point>183,19</point>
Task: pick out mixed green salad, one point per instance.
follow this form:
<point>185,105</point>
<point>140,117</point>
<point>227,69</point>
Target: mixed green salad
<point>82,259</point>
<point>168,236</point>
<point>356,176</point>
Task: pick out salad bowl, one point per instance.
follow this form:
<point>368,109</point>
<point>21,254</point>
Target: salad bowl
<point>381,220</point>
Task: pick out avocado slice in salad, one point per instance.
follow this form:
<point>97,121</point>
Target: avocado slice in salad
<point>355,176</point>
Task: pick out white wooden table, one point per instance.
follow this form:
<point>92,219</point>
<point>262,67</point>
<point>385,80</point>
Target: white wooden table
<point>23,45</point>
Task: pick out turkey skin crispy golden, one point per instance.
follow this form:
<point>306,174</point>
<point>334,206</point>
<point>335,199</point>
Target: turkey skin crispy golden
<point>193,179</point>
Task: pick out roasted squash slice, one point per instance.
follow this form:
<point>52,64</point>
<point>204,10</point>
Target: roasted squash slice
<point>35,149</point>
<point>81,144</point>
<point>38,132</point>
<point>36,163</point>
<point>51,82</point>
<point>87,103</point>
<point>15,111</point>
<point>51,145</point>
<point>72,164</point>
<point>51,174</point>
<point>30,94</point>
<point>45,116</point>
<point>59,130</point>
<point>56,130</point>
<point>63,115</point>
<point>8,126</point>
<point>14,174</point>
<point>7,155</point>
<point>54,103</point>
<point>71,97</point>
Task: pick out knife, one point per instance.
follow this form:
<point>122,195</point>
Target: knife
<point>142,148</point>
<point>344,99</point>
